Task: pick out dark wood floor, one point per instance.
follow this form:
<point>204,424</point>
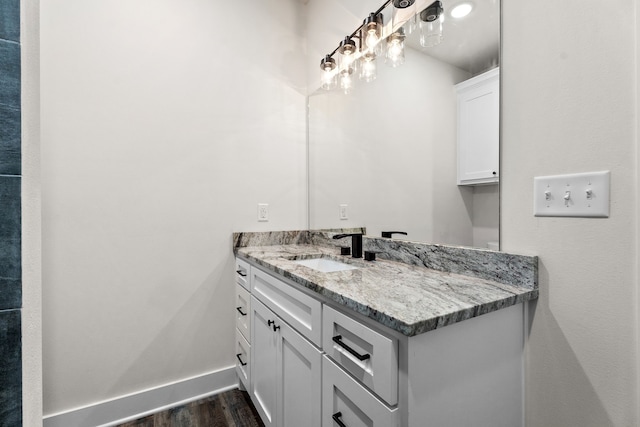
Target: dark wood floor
<point>229,409</point>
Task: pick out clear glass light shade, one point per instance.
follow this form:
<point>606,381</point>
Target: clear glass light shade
<point>368,67</point>
<point>371,41</point>
<point>411,25</point>
<point>395,49</point>
<point>346,81</point>
<point>371,34</point>
<point>328,76</point>
<point>431,20</point>
<point>431,32</point>
<point>328,80</point>
<point>347,55</point>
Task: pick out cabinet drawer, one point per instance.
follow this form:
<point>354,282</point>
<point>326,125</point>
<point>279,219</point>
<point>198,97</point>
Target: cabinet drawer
<point>363,352</point>
<point>243,311</point>
<point>299,310</point>
<point>243,269</point>
<point>344,399</point>
<point>243,359</point>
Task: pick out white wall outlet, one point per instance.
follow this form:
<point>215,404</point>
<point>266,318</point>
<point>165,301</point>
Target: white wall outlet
<point>576,195</point>
<point>344,213</point>
<point>263,212</point>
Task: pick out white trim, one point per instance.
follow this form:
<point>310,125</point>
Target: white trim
<point>146,402</point>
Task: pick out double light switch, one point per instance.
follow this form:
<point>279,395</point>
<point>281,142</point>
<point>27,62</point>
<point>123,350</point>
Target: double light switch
<point>574,195</point>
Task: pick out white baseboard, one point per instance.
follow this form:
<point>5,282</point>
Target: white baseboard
<point>146,402</point>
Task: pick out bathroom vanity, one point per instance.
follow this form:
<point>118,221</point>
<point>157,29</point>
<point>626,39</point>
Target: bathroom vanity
<point>425,335</point>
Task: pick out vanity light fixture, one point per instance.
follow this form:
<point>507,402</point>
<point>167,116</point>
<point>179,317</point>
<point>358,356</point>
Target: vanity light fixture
<point>371,41</point>
<point>431,25</point>
<point>461,10</point>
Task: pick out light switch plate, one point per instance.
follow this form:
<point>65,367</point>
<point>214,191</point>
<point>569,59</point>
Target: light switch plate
<point>575,195</point>
<point>344,212</point>
<point>263,212</point>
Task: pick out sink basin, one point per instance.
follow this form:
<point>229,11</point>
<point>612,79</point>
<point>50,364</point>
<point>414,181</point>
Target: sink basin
<point>325,265</point>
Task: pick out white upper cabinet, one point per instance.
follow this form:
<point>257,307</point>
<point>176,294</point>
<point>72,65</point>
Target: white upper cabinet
<point>479,129</point>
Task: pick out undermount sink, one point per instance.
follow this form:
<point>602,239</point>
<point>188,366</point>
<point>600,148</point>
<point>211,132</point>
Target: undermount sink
<point>325,265</point>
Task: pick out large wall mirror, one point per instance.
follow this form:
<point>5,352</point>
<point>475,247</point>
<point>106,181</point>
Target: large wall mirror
<point>388,149</point>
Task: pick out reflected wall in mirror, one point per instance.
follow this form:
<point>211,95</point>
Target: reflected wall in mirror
<point>388,151</point>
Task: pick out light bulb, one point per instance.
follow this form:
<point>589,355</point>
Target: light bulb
<point>368,69</point>
<point>371,33</point>
<point>372,39</point>
<point>347,50</point>
<point>328,80</point>
<point>328,77</point>
<point>346,81</point>
<point>395,49</point>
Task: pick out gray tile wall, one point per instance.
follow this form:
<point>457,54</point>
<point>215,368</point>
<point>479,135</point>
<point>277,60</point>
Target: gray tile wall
<point>10,217</point>
<point>10,369</point>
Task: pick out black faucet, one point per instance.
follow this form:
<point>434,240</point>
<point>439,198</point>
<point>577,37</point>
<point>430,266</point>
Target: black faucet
<point>390,233</point>
<point>356,243</point>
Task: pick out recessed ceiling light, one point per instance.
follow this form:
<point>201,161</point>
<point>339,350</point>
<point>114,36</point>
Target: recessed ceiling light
<point>461,10</point>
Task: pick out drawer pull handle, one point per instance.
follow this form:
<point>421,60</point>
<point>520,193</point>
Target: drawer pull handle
<point>336,418</point>
<point>338,340</point>
<point>240,311</point>
<point>242,273</point>
<point>240,360</point>
<point>272,323</point>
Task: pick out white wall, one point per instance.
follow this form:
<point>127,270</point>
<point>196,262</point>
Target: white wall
<point>486,215</point>
<point>164,123</point>
<point>569,105</point>
<point>31,217</point>
<point>388,151</point>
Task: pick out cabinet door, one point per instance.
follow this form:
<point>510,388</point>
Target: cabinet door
<point>478,129</point>
<point>299,373</point>
<point>264,362</point>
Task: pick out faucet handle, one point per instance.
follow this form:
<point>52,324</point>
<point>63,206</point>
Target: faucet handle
<point>390,234</point>
<point>343,235</point>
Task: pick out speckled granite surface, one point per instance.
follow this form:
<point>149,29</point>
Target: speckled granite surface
<point>404,293</point>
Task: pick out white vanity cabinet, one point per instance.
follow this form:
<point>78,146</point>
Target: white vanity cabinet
<point>314,363</point>
<point>285,364</point>
<point>479,129</point>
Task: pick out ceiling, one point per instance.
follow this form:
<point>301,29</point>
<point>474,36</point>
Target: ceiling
<point>471,43</point>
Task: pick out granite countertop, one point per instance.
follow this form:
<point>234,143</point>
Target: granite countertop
<point>408,298</point>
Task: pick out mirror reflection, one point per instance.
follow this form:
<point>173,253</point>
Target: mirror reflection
<point>385,156</point>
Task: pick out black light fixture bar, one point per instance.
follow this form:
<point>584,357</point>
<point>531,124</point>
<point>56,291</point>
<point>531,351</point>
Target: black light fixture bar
<point>355,33</point>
